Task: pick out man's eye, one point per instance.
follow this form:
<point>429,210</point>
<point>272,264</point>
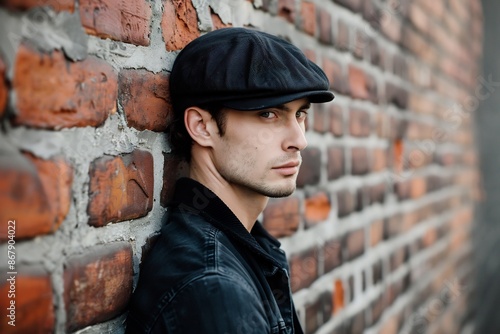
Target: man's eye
<point>267,114</point>
<point>301,114</point>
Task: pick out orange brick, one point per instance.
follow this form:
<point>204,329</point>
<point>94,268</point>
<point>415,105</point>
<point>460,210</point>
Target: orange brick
<point>57,5</point>
<point>282,216</point>
<point>123,20</point>
<point>338,296</point>
<point>35,193</point>
<point>54,93</point>
<point>217,21</point>
<point>145,99</point>
<point>97,284</point>
<point>121,188</point>
<point>34,311</point>
<point>179,24</point>
<point>317,208</point>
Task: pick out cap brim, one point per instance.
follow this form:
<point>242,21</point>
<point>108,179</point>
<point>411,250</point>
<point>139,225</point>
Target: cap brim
<point>257,103</point>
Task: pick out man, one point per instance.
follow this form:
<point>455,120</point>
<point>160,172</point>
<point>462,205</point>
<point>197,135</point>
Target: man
<point>240,100</point>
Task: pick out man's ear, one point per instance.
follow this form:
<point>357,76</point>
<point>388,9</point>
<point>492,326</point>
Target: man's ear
<point>199,125</point>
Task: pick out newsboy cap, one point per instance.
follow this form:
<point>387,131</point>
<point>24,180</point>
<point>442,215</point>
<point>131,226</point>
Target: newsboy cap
<point>244,69</point>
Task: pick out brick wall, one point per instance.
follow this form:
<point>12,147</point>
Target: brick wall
<point>378,231</point>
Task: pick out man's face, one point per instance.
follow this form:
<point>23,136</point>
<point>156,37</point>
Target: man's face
<point>260,150</point>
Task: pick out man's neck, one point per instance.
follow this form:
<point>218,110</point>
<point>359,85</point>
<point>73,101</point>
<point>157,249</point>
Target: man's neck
<point>246,204</point>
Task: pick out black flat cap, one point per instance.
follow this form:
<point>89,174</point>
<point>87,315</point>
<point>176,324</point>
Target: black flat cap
<point>244,69</point>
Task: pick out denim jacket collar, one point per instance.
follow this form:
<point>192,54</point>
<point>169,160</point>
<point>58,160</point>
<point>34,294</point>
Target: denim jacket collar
<point>194,197</point>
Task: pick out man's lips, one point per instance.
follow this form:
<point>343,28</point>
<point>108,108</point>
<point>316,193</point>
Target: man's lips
<point>289,168</point>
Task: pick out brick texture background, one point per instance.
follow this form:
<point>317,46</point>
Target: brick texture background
<point>377,233</point>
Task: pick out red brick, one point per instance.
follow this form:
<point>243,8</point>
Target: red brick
<point>392,226</point>
<point>335,74</point>
<point>33,301</point>
<point>418,17</point>
<point>325,26</point>
<point>355,243</point>
<point>35,193</point>
<point>359,123</point>
<point>332,255</point>
<point>317,208</point>
<point>336,120</point>
<point>126,20</point>
<point>121,188</point>
<point>379,162</point>
<point>308,17</point>
<point>346,202</point>
<point>303,269</point>
<point>179,24</point>
<point>54,93</point>
<point>359,158</point>
<point>145,99</point>
<point>286,9</point>
<point>282,216</point>
<point>360,44</point>
<point>397,258</point>
<point>311,167</point>
<point>4,91</point>
<point>321,121</point>
<point>97,284</point>
<point>360,85</point>
<point>374,51</point>
<point>336,163</point>
<point>57,5</point>
<point>376,232</point>
<point>396,95</point>
<point>391,26</point>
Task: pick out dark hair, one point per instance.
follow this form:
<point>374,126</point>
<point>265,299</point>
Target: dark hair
<point>180,140</point>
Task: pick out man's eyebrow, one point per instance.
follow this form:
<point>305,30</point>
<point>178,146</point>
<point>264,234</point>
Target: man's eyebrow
<point>285,108</point>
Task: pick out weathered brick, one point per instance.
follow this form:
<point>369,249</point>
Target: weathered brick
<point>325,26</point>
<point>286,9</point>
<point>336,120</point>
<point>127,21</point>
<point>335,73</point>
<point>346,200</point>
<point>217,21</point>
<point>97,284</point>
<point>342,36</point>
<point>308,17</point>
<point>336,163</point>
<point>121,188</point>
<point>332,255</point>
<point>35,193</point>
<point>57,5</point>
<point>317,208</point>
<point>359,157</point>
<point>359,123</point>
<point>311,167</point>
<point>303,269</point>
<point>361,84</point>
<point>145,99</point>
<point>282,216</point>
<point>54,93</point>
<point>4,91</point>
<point>179,24</point>
<point>354,243</point>
<point>34,310</point>
<point>322,116</point>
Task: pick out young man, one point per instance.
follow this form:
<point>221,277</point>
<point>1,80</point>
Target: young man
<point>240,100</point>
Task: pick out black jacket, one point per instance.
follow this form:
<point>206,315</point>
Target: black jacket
<point>207,274</point>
